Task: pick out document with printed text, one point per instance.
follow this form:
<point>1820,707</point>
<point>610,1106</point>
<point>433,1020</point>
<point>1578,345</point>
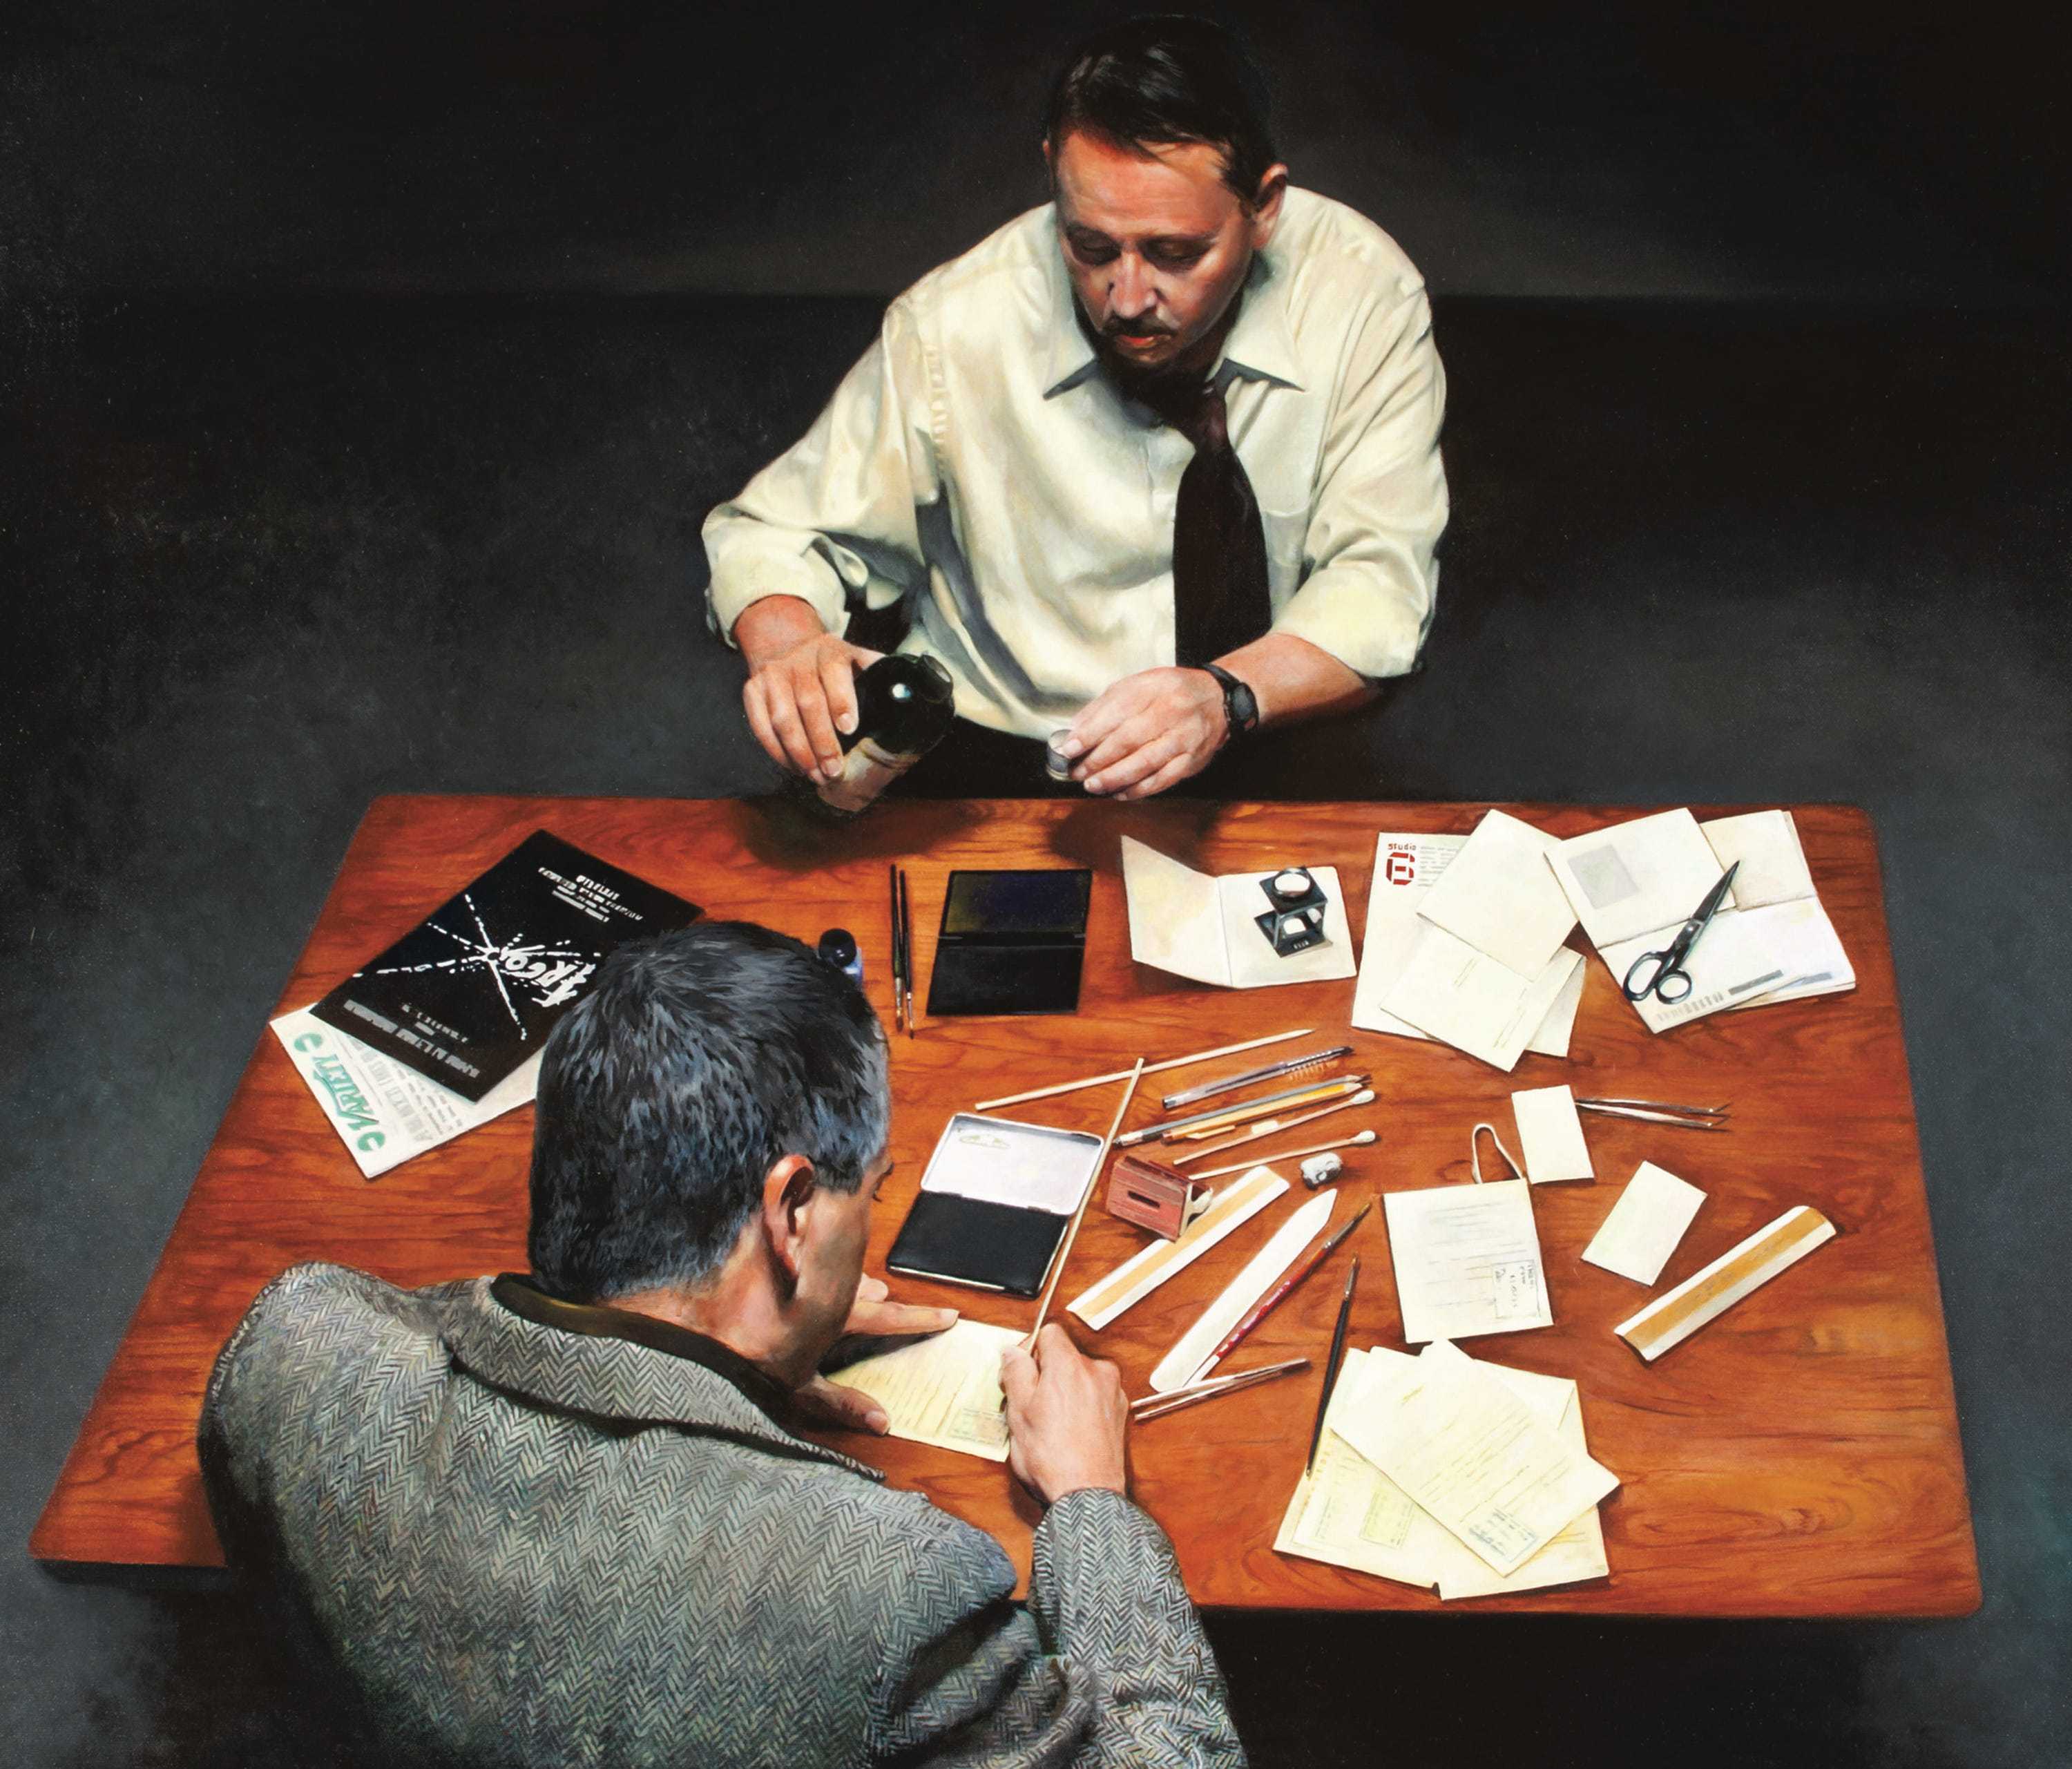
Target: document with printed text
<point>943,1390</point>
<point>1467,1261</point>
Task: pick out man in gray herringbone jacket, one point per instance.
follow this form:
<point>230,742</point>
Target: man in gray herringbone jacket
<point>564,1519</point>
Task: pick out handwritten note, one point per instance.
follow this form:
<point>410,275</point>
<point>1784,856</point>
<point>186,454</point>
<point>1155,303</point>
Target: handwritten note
<point>1467,1261</point>
<point>943,1390</point>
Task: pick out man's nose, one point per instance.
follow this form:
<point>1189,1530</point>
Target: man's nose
<point>1131,295</point>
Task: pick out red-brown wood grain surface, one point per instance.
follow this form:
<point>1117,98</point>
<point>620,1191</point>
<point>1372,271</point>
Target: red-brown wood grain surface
<point>1798,1457</point>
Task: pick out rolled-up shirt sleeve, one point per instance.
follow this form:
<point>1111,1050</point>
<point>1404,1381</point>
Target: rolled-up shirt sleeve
<point>1381,505</point>
<point>831,520</point>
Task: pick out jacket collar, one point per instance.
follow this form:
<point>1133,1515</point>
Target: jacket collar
<point>1261,343</point>
<point>614,1364</point>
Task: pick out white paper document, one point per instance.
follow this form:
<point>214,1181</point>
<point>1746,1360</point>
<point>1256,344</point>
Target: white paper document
<point>1500,896</point>
<point>384,1111</point>
<point>1347,1513</point>
<point>1765,846</point>
<point>1636,1240</point>
<point>1550,1132</point>
<point>1631,879</point>
<point>1201,926</point>
<point>1467,1261</point>
<point>943,1390</point>
<point>1470,1452</point>
<point>1406,867</point>
<point>1745,956</point>
<point>1466,998</point>
<point>1234,1205</point>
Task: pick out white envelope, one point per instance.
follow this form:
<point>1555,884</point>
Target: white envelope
<point>1500,896</point>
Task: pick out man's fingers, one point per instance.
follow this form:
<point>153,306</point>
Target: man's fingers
<point>838,688</point>
<point>871,1289</point>
<point>893,1318</point>
<point>1180,768</point>
<point>1139,764</point>
<point>752,701</point>
<point>791,730</point>
<point>809,695</point>
<point>1017,1376</point>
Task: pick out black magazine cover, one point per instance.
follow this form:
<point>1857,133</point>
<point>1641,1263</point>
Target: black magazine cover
<point>473,990</point>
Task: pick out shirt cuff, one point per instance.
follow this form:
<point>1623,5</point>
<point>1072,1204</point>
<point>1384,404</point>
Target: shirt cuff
<point>1375,629</point>
<point>750,571</point>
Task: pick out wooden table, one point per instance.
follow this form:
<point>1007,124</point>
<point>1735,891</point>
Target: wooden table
<point>1799,1457</point>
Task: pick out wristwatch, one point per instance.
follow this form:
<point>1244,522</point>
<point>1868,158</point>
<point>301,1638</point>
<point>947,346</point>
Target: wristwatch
<point>1240,705</point>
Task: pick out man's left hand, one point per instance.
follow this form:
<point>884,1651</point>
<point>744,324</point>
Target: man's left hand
<point>874,1315</point>
<point>1147,732</point>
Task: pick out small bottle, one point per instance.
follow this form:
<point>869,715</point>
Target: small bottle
<point>838,947</point>
<point>904,705</point>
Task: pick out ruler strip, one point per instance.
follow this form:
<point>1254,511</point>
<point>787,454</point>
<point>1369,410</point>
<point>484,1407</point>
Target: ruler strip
<point>1674,1316</point>
<point>1130,1282</point>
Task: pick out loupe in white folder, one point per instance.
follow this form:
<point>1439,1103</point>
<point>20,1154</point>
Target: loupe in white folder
<point>1203,926</point>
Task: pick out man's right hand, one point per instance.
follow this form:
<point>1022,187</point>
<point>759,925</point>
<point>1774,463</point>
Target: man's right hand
<point>801,687</point>
<point>1066,1418</point>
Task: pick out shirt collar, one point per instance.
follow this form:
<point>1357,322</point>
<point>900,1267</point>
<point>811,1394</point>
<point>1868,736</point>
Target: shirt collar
<point>524,1298</point>
<point>1260,343</point>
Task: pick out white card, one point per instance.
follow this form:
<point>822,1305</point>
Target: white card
<point>1636,1240</point>
<point>1636,876</point>
<point>1501,896</point>
<point>1773,864</point>
<point>1466,999</point>
<point>1550,1130</point>
<point>1467,1261</point>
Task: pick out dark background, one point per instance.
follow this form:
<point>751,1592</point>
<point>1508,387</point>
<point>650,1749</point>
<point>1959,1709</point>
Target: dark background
<point>366,370</point>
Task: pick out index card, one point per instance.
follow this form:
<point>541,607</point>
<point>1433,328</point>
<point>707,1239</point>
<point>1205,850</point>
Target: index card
<point>1467,1261</point>
<point>1467,1449</point>
<point>1636,876</point>
<point>942,1390</point>
<point>1636,1240</point>
<point>1130,1282</point>
<point>1773,864</point>
<point>1199,927</point>
<point>1467,999</point>
<point>1405,868</point>
<point>384,1111</point>
<point>1500,896</point>
<point>1550,1130</point>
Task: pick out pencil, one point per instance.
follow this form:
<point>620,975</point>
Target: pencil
<point>892,941</point>
<point>1331,1362</point>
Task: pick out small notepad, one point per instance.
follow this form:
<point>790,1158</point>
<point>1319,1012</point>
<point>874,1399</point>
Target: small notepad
<point>1550,1131</point>
<point>1645,1225</point>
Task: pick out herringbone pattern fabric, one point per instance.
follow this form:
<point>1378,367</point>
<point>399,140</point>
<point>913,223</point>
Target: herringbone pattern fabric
<point>519,1546</point>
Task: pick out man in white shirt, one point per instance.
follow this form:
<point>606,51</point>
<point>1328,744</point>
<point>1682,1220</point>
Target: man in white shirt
<point>1155,463</point>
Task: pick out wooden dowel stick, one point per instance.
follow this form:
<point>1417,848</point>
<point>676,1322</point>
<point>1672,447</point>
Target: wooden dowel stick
<point>1361,1140</point>
<point>1071,1234</point>
<point>1148,1068</point>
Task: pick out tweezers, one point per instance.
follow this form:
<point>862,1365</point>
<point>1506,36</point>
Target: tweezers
<point>1150,1406</point>
<point>1684,1117</point>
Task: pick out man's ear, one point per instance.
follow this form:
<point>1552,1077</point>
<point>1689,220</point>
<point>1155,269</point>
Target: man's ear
<point>788,1189</point>
<point>1266,207</point>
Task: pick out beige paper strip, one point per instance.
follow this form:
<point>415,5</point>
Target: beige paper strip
<point>1674,1316</point>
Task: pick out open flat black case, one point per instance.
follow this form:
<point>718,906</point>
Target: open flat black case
<point>1011,942</point>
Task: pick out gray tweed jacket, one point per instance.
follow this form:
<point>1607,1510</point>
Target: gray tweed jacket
<point>514,1544</point>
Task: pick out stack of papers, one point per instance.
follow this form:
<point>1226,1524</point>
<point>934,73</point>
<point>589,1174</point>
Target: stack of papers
<point>1469,1478</point>
<point>1633,885</point>
<point>1465,943</point>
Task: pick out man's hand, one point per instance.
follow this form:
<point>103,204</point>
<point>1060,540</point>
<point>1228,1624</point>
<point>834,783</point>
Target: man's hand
<point>874,1315</point>
<point>1147,732</point>
<point>801,686</point>
<point>1066,1417</point>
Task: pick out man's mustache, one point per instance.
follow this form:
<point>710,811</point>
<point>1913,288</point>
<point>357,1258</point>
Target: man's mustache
<point>1135,328</point>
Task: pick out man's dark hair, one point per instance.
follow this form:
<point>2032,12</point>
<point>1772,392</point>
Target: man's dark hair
<point>1158,81</point>
<point>697,1060</point>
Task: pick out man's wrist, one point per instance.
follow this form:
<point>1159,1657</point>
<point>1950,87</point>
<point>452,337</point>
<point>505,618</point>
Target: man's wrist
<point>1240,703</point>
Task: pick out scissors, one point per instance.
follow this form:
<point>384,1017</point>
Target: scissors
<point>1669,982</point>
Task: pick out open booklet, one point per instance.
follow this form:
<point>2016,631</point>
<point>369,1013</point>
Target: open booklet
<point>1505,1453</point>
<point>1635,884</point>
<point>1205,927</point>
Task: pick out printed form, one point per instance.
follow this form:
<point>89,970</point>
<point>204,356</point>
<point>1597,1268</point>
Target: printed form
<point>1467,1261</point>
<point>942,1390</point>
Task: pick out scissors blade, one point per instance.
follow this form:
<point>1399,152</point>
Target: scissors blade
<point>1714,897</point>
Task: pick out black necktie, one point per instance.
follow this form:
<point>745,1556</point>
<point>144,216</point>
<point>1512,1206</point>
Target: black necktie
<point>1219,594</point>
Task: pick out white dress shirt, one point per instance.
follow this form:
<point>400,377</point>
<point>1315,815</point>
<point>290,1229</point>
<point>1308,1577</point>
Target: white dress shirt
<point>977,463</point>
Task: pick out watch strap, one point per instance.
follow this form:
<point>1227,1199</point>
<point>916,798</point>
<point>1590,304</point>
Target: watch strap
<point>1240,705</point>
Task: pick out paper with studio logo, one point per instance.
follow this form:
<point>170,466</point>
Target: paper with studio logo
<point>1406,866</point>
<point>1466,998</point>
<point>384,1112</point>
<point>1346,1513</point>
<point>1636,1240</point>
<point>1200,926</point>
<point>1500,896</point>
<point>1468,1450</point>
<point>1550,1134</point>
<point>1467,1261</point>
<point>942,1390</point>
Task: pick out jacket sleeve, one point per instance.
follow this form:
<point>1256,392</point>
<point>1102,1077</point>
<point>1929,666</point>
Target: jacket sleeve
<point>831,520</point>
<point>1107,1665</point>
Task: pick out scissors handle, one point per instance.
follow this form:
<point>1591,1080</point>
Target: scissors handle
<point>1664,982</point>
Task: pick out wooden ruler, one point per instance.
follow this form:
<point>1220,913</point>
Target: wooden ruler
<point>1674,1316</point>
